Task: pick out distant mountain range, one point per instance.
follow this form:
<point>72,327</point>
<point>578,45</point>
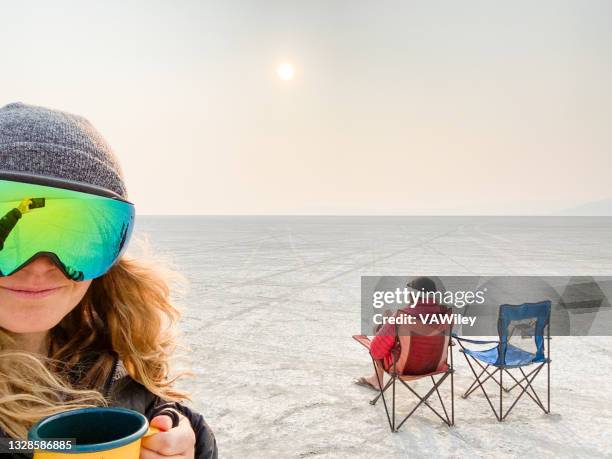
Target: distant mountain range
<point>594,208</point>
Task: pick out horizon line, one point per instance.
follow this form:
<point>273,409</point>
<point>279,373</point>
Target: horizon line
<point>372,215</point>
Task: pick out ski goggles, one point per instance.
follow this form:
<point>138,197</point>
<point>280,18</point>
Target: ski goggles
<point>83,228</point>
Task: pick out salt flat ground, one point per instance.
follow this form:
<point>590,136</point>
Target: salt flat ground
<point>273,303</point>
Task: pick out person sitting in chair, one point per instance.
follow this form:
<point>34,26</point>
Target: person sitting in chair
<point>383,344</point>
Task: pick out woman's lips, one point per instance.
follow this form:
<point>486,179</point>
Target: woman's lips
<point>32,293</point>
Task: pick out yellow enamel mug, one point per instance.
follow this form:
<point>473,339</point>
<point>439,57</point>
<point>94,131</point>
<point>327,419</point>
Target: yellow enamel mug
<point>97,433</point>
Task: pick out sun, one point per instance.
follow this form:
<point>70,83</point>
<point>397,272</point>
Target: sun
<point>285,71</point>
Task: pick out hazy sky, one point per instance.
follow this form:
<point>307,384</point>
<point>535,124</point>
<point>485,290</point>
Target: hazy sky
<point>396,107</point>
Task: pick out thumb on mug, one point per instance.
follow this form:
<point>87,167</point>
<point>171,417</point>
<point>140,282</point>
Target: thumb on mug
<point>162,422</point>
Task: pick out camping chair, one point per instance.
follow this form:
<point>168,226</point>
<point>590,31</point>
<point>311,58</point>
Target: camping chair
<point>407,339</point>
<point>515,349</point>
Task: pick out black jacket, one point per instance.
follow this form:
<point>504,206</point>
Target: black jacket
<point>127,393</point>
<point>7,223</point>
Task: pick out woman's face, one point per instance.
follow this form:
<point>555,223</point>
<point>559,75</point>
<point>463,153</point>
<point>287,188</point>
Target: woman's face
<point>37,297</point>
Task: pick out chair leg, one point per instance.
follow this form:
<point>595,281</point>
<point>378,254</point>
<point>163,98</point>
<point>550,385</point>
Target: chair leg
<point>501,392</point>
<point>452,397</point>
<point>548,367</point>
<point>516,382</point>
<point>448,420</point>
<point>473,387</point>
<point>382,394</point>
<point>528,385</point>
<point>533,396</point>
<point>480,384</point>
<point>423,400</point>
<point>393,414</point>
<point>375,399</point>
<point>452,370</point>
<point>548,387</point>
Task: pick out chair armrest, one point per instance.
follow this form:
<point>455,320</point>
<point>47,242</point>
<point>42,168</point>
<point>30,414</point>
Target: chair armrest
<point>474,341</point>
<point>363,340</point>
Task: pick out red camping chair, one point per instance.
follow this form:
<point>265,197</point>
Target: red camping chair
<point>410,340</point>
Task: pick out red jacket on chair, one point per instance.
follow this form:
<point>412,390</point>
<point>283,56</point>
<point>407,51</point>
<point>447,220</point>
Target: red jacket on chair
<point>421,359</point>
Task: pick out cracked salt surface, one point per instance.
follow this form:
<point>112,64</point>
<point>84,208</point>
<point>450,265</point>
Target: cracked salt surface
<point>274,302</point>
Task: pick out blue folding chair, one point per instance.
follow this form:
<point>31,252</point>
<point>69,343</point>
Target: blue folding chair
<point>514,350</point>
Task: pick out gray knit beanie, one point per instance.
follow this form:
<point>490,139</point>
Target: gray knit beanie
<point>52,143</point>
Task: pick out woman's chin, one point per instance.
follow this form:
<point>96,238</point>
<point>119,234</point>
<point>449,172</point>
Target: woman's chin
<point>29,316</point>
<point>27,328</point>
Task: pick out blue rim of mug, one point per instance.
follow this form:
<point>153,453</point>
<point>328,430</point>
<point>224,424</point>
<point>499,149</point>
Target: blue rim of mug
<point>33,433</point>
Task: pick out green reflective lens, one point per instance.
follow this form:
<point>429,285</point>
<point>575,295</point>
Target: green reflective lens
<point>84,233</point>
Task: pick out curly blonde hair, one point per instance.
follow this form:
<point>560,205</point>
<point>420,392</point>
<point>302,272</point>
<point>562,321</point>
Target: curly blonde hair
<point>127,311</point>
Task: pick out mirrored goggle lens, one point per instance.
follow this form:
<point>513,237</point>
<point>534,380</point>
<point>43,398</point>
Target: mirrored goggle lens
<point>86,233</point>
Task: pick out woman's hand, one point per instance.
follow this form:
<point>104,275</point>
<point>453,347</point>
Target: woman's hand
<point>24,205</point>
<point>174,443</point>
